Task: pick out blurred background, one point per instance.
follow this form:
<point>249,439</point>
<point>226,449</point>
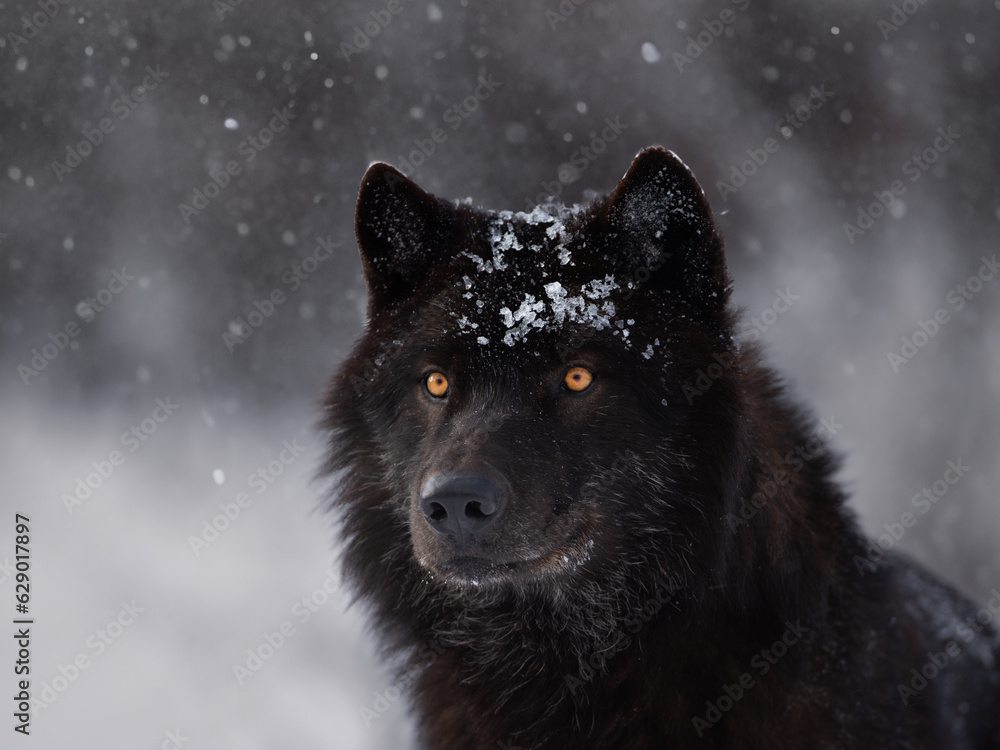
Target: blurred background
<point>178,279</point>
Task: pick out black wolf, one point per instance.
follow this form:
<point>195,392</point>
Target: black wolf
<point>584,515</point>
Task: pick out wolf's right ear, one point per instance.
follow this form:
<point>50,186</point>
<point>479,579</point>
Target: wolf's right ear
<point>661,220</point>
<point>399,229</point>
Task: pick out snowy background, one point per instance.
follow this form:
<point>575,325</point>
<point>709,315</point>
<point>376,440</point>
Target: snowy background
<point>522,93</point>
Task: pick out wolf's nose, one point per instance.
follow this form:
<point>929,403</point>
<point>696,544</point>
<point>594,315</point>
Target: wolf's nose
<point>460,505</point>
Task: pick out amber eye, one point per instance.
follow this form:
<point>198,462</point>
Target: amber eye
<point>437,385</point>
<point>578,379</point>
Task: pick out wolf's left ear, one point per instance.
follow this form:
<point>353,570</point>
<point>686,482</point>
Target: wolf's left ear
<point>399,228</point>
<point>659,220</point>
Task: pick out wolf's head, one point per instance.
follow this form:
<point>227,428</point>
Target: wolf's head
<point>529,401</point>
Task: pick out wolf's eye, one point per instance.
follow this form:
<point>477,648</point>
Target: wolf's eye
<point>437,385</point>
<point>578,379</point>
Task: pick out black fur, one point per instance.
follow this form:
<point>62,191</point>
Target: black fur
<point>670,563</point>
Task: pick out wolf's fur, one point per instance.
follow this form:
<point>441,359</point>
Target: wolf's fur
<point>671,564</point>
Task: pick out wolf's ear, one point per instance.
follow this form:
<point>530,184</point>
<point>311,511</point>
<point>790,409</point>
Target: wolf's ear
<point>400,228</point>
<point>660,221</point>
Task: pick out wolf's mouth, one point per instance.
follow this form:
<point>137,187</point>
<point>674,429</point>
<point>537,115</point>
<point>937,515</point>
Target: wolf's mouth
<point>479,570</point>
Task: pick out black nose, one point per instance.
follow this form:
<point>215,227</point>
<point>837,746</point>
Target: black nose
<point>460,505</point>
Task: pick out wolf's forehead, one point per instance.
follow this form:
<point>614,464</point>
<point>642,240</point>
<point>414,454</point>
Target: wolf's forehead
<point>524,279</point>
<point>519,238</point>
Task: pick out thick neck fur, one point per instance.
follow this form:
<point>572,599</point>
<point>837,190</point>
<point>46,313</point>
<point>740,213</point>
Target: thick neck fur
<point>523,665</point>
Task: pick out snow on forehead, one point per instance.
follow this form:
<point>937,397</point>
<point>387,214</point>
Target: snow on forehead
<point>589,308</point>
<point>502,234</point>
<point>504,301</point>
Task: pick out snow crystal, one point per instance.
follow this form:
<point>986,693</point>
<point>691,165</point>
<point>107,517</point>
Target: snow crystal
<point>555,292</point>
<point>529,309</point>
<point>553,214</point>
<point>526,318</point>
<point>577,309</point>
<point>553,217</point>
<point>503,239</point>
<point>650,53</point>
<point>600,288</point>
<point>481,265</point>
<point>589,306</point>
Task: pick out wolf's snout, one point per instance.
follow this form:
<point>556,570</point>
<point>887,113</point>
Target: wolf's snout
<point>460,506</point>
